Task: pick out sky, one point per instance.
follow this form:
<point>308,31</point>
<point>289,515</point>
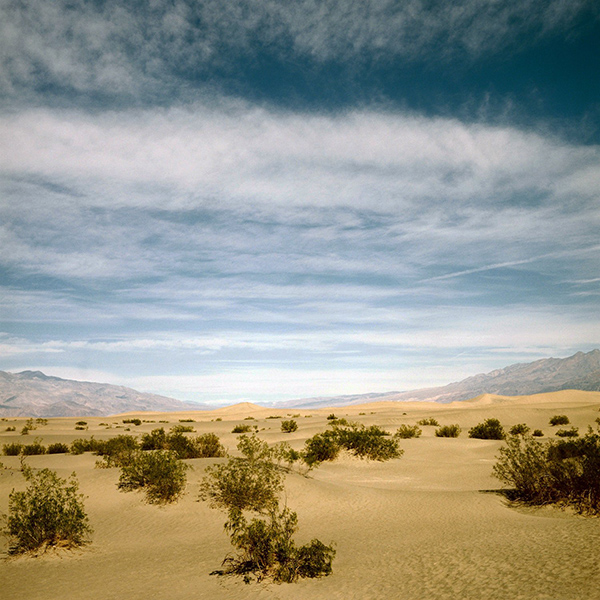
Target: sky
<point>263,200</point>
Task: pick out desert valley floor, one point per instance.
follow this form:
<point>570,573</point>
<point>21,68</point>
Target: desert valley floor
<point>427,525</point>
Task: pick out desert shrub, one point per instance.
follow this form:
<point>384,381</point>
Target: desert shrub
<point>264,545</point>
<point>158,472</point>
<point>266,549</point>
<point>202,446</point>
<point>558,471</point>
<point>182,429</point>
<point>241,429</point>
<point>133,421</point>
<point>284,454</point>
<point>187,421</point>
<point>58,448</point>
<point>490,429</point>
<point>11,428</point>
<point>209,446</point>
<point>183,446</point>
<point>451,431</point>
<point>155,440</point>
<point>331,417</point>
<point>81,423</point>
<point>13,449</point>
<point>81,445</point>
<point>29,426</point>
<point>573,432</point>
<point>289,426</point>
<point>519,429</point>
<point>42,422</point>
<point>117,451</point>
<point>252,482</point>
<point>368,442</point>
<point>405,432</point>
<point>537,433</point>
<point>34,448</point>
<point>559,420</point>
<point>341,421</point>
<point>49,512</point>
<point>274,417</point>
<point>321,447</point>
<point>428,421</point>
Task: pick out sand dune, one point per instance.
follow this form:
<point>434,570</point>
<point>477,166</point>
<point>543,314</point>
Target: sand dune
<point>424,526</point>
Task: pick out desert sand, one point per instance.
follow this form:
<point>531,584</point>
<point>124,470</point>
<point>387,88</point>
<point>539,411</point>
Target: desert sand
<point>428,525</point>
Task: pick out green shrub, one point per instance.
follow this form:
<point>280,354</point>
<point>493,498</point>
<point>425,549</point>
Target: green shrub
<point>537,433</point>
<point>13,449</point>
<point>519,429</point>
<point>451,431</point>
<point>490,429</point>
<point>405,432</point>
<point>133,421</point>
<point>249,483</point>
<point>274,417</point>
<point>368,442</point>
<point>11,428</point>
<point>289,426</point>
<point>155,440</point>
<point>266,550</point>
<point>558,471</point>
<point>49,512</point>
<point>158,472</point>
<point>81,423</point>
<point>559,420</point>
<point>187,421</point>
<point>241,429</point>
<point>209,446</point>
<point>321,447</point>
<point>573,432</point>
<point>81,445</point>
<point>58,448</point>
<point>331,417</point>
<point>428,421</point>
<point>182,429</point>
<point>117,451</point>
<point>34,448</point>
<point>202,446</point>
<point>42,422</point>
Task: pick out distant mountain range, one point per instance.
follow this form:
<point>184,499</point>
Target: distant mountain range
<point>579,372</point>
<point>33,394</point>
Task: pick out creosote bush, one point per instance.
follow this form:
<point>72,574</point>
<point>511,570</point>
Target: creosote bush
<point>559,420</point>
<point>451,431</point>
<point>573,432</point>
<point>519,429</point>
<point>264,544</point>
<point>289,426</point>
<point>159,473</point>
<point>49,512</point>
<point>58,448</point>
<point>12,449</point>
<point>202,446</point>
<point>490,429</point>
<point>182,429</point>
<point>537,433</point>
<point>406,432</point>
<point>563,472</point>
<point>428,421</point>
<point>34,448</point>
<point>241,429</point>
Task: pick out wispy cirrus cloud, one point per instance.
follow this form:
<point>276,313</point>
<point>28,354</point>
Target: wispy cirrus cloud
<point>137,48</point>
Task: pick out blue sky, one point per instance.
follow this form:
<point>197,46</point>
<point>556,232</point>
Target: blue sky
<point>267,200</point>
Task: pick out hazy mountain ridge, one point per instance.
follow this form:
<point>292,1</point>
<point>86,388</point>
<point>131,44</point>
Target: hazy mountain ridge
<point>580,371</point>
<point>34,394</point>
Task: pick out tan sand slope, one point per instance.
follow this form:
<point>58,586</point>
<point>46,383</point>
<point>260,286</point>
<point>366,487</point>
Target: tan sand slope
<point>424,526</point>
